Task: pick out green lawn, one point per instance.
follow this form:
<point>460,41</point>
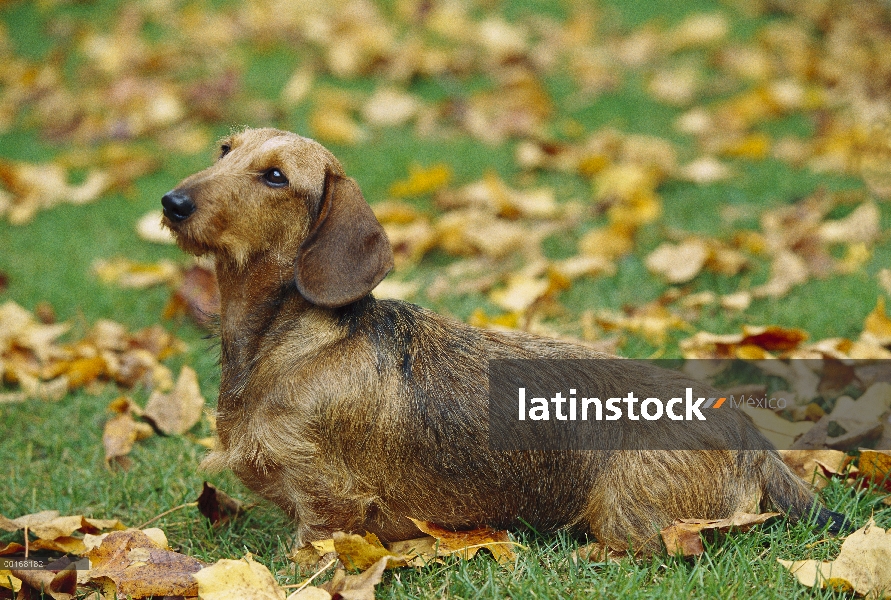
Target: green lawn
<point>51,454</point>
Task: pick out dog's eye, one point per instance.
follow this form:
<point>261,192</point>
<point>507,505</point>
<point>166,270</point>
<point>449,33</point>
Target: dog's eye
<point>275,178</point>
<point>224,150</point>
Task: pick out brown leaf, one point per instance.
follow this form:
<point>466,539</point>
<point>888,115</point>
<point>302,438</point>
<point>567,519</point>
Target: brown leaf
<point>357,587</point>
<point>876,465</point>
<point>244,579</point>
<point>59,586</point>
<point>140,568</point>
<point>121,432</point>
<point>465,544</point>
<point>177,412</point>
<point>198,296</point>
<point>66,544</point>
<point>218,506</point>
<point>863,565</point>
<point>683,536</point>
<point>597,553</point>
<point>815,466</point>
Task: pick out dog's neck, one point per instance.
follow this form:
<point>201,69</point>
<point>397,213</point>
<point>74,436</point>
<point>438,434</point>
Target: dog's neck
<point>252,300</point>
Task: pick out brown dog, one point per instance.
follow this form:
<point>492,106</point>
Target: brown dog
<point>352,413</point>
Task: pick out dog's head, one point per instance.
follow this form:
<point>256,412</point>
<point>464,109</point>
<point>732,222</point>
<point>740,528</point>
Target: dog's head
<point>278,195</point>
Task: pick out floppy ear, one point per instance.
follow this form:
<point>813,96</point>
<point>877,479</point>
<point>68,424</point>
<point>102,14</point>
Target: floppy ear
<point>346,252</point>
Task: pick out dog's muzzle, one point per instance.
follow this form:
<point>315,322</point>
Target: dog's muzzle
<point>178,206</point>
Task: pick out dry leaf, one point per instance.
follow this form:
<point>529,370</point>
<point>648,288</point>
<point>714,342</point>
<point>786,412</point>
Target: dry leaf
<point>521,292</point>
<point>140,568</point>
<point>177,412</point>
<point>218,506</point>
<point>358,552</point>
<point>129,274</point>
<point>121,432</point>
<point>786,271</point>
<point>678,263</point>
<point>35,187</point>
<point>356,587</point>
<point>422,180</point>
<point>705,170</point>
<point>149,228</point>
<point>863,565</point>
<point>244,579</point>
<point>877,326</point>
<point>815,466</point>
<point>779,431</point>
<point>198,296</point>
<point>390,107</point>
<point>465,544</point>
<point>597,553</point>
<point>58,586</point>
<point>683,536</point>
<point>862,225</point>
<point>876,465</point>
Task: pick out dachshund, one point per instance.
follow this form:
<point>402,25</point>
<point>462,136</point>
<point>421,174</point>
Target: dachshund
<point>353,413</point>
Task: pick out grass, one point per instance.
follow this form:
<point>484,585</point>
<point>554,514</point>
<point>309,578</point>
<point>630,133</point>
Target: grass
<point>51,454</point>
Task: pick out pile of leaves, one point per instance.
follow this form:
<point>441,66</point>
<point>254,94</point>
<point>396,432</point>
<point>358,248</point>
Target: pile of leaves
<point>35,361</point>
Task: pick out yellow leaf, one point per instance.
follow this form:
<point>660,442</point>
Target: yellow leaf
<point>863,565</point>
<point>422,180</point>
<point>877,326</point>
<point>245,579</point>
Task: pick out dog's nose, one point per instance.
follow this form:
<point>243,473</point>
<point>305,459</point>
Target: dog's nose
<point>177,205</point>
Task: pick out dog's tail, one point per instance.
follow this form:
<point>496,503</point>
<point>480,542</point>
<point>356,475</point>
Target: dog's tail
<point>787,492</point>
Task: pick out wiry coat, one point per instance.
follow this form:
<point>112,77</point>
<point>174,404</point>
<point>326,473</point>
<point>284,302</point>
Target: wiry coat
<point>352,413</point>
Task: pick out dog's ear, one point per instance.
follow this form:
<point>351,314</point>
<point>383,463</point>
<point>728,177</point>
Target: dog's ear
<point>346,253</point>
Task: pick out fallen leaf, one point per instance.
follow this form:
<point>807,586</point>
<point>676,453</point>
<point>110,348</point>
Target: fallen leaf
<point>862,226</point>
<point>356,587</point>
<point>863,565</point>
<point>520,293</point>
<point>815,466</point>
<point>197,295</point>
<point>786,271</point>
<point>422,180</point>
<point>244,579</point>
<point>358,552</point>
<point>683,536</point>
<point>877,326</point>
<point>139,567</point>
<point>121,432</point>
<point>58,586</point>
<point>678,263</point>
<point>218,506</point>
<point>465,544</point>
<point>36,187</point>
<point>876,466</point>
<point>597,553</point>
<point>705,170</point>
<point>149,228</point>
<point>130,274</point>
<point>390,107</point>
<point>178,411</point>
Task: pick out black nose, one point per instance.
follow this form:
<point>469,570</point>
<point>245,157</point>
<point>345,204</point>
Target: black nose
<point>177,205</point>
